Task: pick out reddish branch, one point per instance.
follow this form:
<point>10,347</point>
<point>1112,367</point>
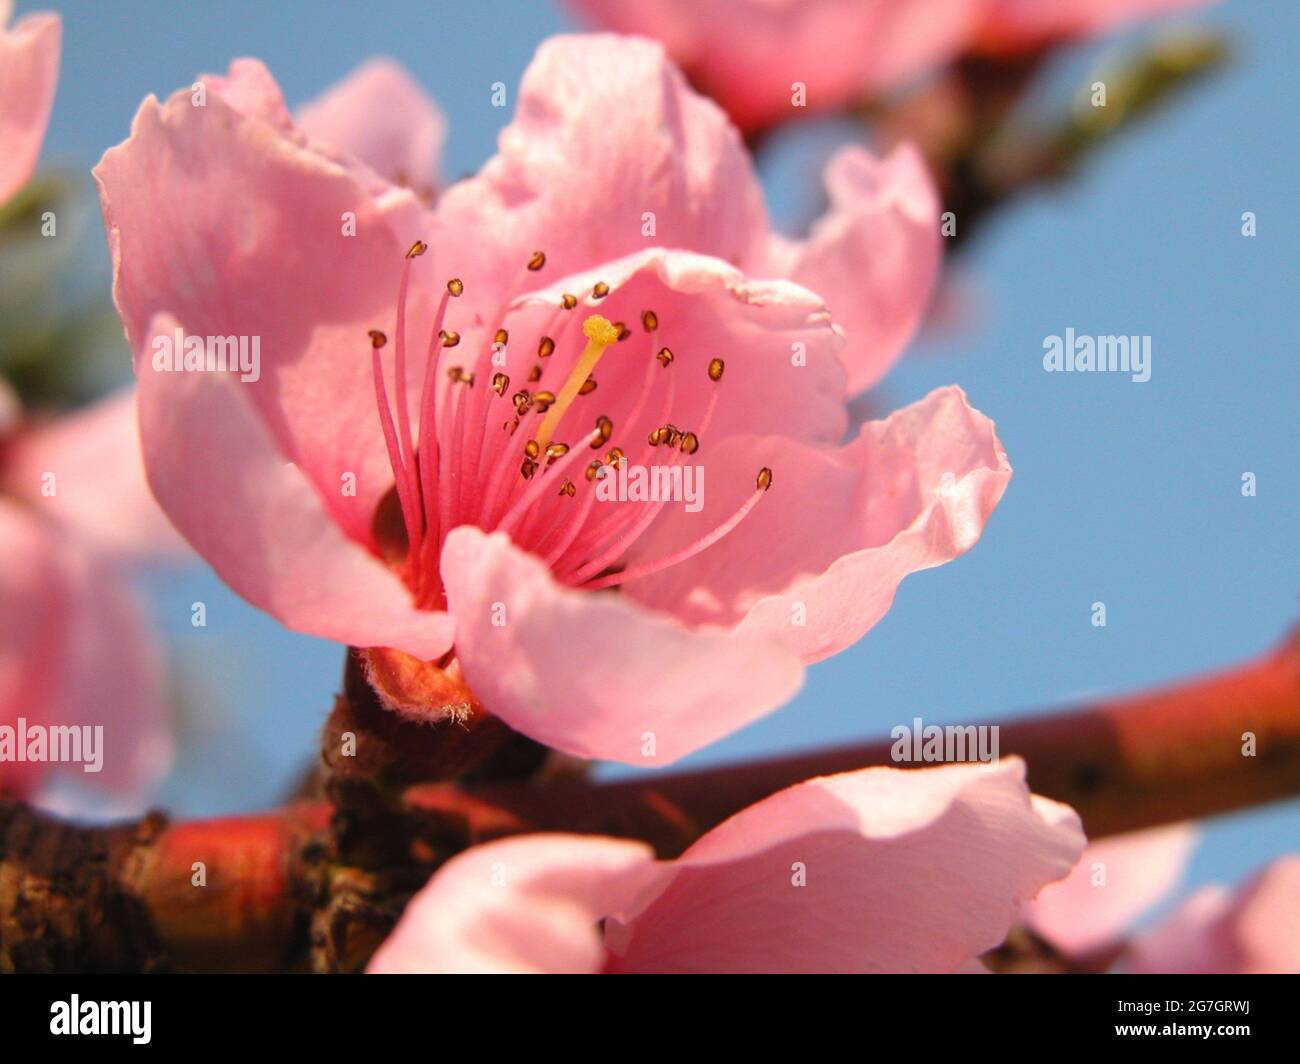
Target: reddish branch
<point>317,884</point>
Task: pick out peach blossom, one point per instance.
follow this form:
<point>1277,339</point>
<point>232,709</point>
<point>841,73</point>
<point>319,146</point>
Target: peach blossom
<point>29,73</point>
<point>398,478</point>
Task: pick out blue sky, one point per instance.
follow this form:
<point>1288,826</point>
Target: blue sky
<point>1127,493</point>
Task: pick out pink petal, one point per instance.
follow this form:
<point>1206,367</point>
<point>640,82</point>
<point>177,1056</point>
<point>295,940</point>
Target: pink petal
<point>100,491</point>
<point>1254,930</point>
<point>251,90</point>
<point>29,74</point>
<point>748,54</point>
<point>874,256</point>
<point>521,905</point>
<point>244,505</point>
<point>76,650</point>
<point>839,529</point>
<point>380,115</point>
<point>1115,882</point>
<point>902,871</point>
<point>237,230</point>
<point>594,674</point>
<point>606,134</point>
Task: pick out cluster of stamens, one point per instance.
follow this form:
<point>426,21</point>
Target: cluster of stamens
<point>469,466</point>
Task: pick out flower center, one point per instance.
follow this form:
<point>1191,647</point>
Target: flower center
<point>465,462</point>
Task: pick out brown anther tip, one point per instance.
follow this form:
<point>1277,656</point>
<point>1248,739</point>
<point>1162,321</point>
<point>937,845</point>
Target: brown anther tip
<point>568,302</point>
<point>656,436</point>
<point>532,449</point>
<point>716,366</point>
<point>690,443</point>
<point>377,339</point>
<point>455,373</point>
<point>600,290</point>
<point>501,337</point>
<point>537,261</point>
<point>567,488</point>
<point>544,399</point>
<point>764,480</point>
<point>417,249</point>
<point>623,331</point>
<point>546,347</point>
<point>614,456</point>
<point>456,286</point>
<point>593,470</point>
<point>588,386</point>
<point>649,320</point>
<point>450,338</point>
<point>528,468</point>
<point>665,357</point>
<point>535,374</point>
<point>500,382</point>
<point>557,450</point>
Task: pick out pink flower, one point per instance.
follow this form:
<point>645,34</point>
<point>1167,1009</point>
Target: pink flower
<point>603,283</point>
<point>882,870</point>
<point>29,72</point>
<point>1114,883</point>
<point>1013,25</point>
<point>1254,930</point>
<point>76,649</point>
<point>750,55</point>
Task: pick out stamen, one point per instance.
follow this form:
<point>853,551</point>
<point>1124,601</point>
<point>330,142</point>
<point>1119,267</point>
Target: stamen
<point>764,482</point>
<point>537,261</point>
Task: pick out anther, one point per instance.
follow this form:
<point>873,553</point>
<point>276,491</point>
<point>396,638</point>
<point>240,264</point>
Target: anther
<point>568,302</point>
<point>665,357</point>
<point>543,401</point>
<point>690,443</point>
<point>502,337</point>
<point>716,366</point>
<point>417,249</point>
<point>764,480</point>
<point>537,261</point>
<point>528,468</point>
<point>593,470</point>
<point>599,290</point>
<point>588,386</point>
<point>531,449</point>
<point>500,382</point>
<point>535,374</point>
<point>546,348</point>
<point>450,338</point>
<point>649,320</point>
<point>606,430</point>
<point>623,331</point>
<point>377,339</point>
<point>455,286</point>
<point>567,488</point>
<point>615,456</point>
<point>556,450</point>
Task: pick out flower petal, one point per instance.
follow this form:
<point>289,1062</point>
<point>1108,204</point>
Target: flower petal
<point>252,514</point>
<point>381,116</point>
<point>1254,930</point>
<point>873,257</point>
<point>594,674</point>
<point>882,870</point>
<point>100,493</point>
<point>818,561</point>
<point>29,74</point>
<point>234,228</point>
<point>609,152</point>
<point>1115,882</point>
<point>529,904</point>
